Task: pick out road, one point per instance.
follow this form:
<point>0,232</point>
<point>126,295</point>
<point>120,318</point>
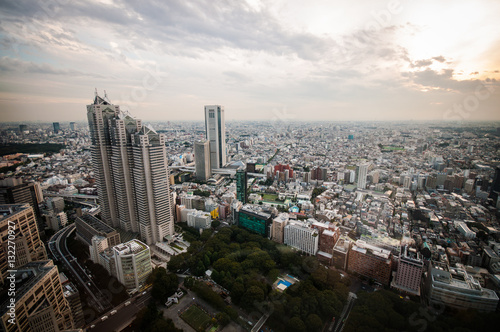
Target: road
<point>123,317</point>
<point>345,313</point>
<point>59,250</point>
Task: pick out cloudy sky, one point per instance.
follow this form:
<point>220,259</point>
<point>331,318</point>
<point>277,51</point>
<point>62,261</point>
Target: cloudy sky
<point>285,60</point>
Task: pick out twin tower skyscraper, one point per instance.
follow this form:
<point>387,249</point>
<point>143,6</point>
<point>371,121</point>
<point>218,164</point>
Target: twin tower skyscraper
<point>130,166</point>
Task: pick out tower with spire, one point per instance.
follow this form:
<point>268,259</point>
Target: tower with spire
<point>131,172</point>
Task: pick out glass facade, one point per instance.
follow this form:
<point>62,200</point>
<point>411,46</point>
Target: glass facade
<point>253,222</point>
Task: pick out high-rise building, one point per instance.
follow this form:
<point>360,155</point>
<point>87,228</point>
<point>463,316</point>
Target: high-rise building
<point>39,301</point>
<point>14,191</point>
<point>23,128</point>
<point>57,127</point>
<point>202,160</point>
<point>72,126</point>
<point>241,186</point>
<point>20,219</point>
<point>215,127</point>
<point>130,166</point>
<point>361,173</point>
<point>133,263</point>
<point>410,269</point>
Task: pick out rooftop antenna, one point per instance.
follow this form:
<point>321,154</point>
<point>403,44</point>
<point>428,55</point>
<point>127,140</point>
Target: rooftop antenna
<point>106,96</point>
<point>96,92</point>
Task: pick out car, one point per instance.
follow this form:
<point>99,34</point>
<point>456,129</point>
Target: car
<point>103,318</point>
<point>112,312</point>
<point>92,326</point>
<point>127,303</point>
<point>143,293</point>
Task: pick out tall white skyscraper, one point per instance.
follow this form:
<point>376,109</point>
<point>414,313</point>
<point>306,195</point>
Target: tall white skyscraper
<point>361,173</point>
<point>215,127</point>
<point>130,166</point>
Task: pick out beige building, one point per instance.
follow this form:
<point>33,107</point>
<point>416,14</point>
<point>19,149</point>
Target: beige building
<point>19,226</point>
<point>40,305</point>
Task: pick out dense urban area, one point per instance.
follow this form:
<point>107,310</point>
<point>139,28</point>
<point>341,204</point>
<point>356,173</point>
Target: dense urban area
<point>120,225</point>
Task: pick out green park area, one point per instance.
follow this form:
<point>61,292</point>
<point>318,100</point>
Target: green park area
<point>196,318</point>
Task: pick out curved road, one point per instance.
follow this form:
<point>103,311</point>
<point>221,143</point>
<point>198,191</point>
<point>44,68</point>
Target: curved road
<point>59,250</point>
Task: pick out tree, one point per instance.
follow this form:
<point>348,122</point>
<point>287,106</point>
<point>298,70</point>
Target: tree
<point>223,318</point>
<point>253,295</point>
<point>296,325</point>
<point>314,323</point>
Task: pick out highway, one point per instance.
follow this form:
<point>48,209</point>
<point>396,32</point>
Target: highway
<point>123,317</point>
<point>59,250</point>
<point>345,313</point>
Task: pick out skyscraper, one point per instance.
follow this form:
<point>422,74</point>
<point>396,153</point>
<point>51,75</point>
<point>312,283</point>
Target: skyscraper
<point>241,186</point>
<point>130,166</point>
<point>215,127</point>
<point>361,173</point>
<point>202,160</point>
<point>56,126</point>
<point>14,191</point>
<point>72,126</point>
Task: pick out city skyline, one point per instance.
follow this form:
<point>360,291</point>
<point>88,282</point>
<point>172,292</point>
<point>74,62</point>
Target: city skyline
<point>374,60</point>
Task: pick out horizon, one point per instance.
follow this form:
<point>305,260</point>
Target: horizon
<point>327,61</point>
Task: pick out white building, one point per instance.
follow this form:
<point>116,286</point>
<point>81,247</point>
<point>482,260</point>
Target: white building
<point>361,173</point>
<point>453,287</point>
<point>462,227</point>
<point>301,236</point>
<point>99,244</point>
<point>215,127</point>
<point>133,263</point>
<point>199,219</point>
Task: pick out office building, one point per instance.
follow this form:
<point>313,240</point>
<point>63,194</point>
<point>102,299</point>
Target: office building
<point>300,235</point>
<point>40,304</point>
<point>409,273</point>
<point>56,204</point>
<point>133,263</point>
<point>370,261</point>
<point>14,191</point>
<point>241,186</point>
<point>202,160</point>
<point>254,219</point>
<point>57,127</point>
<point>215,128</point>
<point>23,128</point>
<point>88,226</point>
<point>72,126</point>
<point>19,218</point>
<point>130,166</point>
<point>454,287</point>
<point>56,220</point>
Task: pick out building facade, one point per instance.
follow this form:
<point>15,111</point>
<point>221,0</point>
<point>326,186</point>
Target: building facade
<point>18,228</point>
<point>133,263</point>
<point>88,226</point>
<point>130,166</point>
<point>370,261</point>
<point>409,273</point>
<point>40,304</point>
<point>215,128</point>
<point>241,186</point>
<point>255,220</point>
<point>202,160</point>
<point>300,235</point>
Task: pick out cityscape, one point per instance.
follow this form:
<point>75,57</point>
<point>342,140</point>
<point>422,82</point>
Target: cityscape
<point>286,167</point>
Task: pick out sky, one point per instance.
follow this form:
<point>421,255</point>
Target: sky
<point>325,60</point>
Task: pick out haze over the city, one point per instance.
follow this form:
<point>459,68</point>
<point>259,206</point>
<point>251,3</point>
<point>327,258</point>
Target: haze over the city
<point>285,60</point>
